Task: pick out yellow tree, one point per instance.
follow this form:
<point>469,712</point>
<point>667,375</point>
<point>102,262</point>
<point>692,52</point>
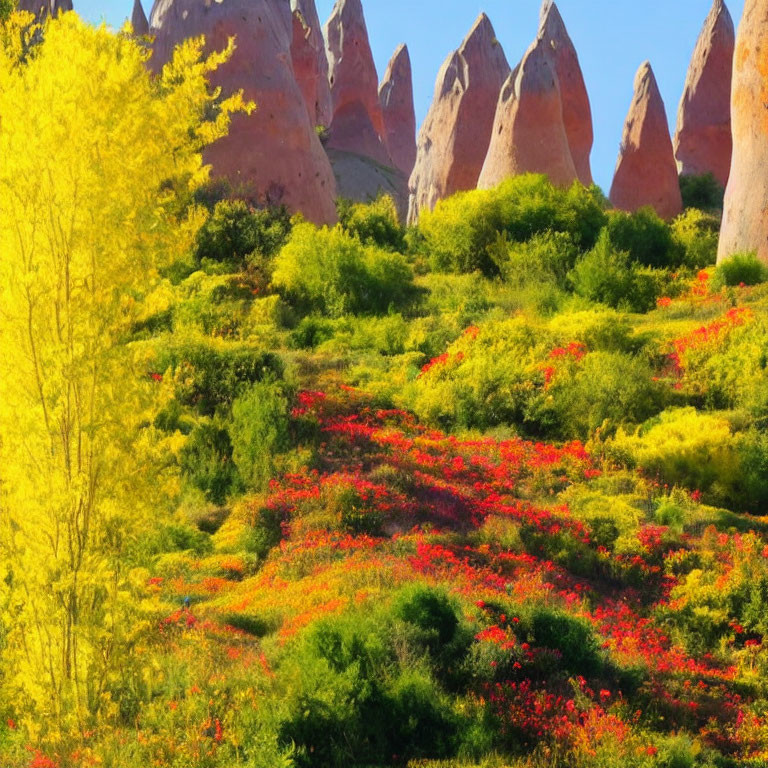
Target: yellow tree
<point>98,162</point>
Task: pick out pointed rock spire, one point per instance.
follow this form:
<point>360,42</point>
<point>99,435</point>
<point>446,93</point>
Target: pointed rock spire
<point>396,97</point>
<point>310,63</point>
<point>274,154</point>
<point>703,142</point>
<point>358,122</point>
<point>454,139</point>
<point>139,20</point>
<point>745,224</point>
<point>529,134</point>
<point>577,113</point>
<point>646,172</point>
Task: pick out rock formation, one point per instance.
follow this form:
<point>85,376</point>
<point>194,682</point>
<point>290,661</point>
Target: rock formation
<point>310,63</point>
<point>454,139</point>
<point>703,142</point>
<point>358,122</point>
<point>274,154</point>
<point>745,217</point>
<point>43,8</point>
<point>396,98</point>
<point>646,172</point>
<point>139,20</point>
<point>529,134</point>
<point>577,113</point>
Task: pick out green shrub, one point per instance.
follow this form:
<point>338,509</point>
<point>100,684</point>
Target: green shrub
<point>358,705</point>
<point>237,235</point>
<point>462,228</point>
<point>375,223</point>
<point>698,234</point>
<point>206,462</point>
<point>741,268</point>
<point>646,238</point>
<point>703,192</point>
<point>545,258</point>
<point>606,390</point>
<point>263,533</point>
<point>608,276</point>
<point>331,272</point>
<point>208,374</point>
<point>235,231</point>
<point>259,431</point>
<point>683,447</point>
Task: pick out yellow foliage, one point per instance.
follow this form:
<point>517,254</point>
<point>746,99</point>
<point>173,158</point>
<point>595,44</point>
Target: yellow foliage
<point>98,160</point>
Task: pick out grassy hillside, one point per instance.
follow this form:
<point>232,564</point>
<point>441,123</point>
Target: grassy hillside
<point>484,493</point>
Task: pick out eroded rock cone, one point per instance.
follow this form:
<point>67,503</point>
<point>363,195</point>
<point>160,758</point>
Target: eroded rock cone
<point>703,142</point>
<point>529,134</point>
<point>577,113</point>
<point>139,20</point>
<point>646,172</point>
<point>310,63</point>
<point>273,155</point>
<point>358,122</point>
<point>396,97</point>
<point>745,222</point>
<point>454,140</point>
<point>43,8</point>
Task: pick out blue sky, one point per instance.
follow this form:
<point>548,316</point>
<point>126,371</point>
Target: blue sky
<point>613,37</point>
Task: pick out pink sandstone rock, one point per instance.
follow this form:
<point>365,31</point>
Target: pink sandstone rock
<point>703,142</point>
<point>745,217</point>
<point>577,113</point>
<point>646,172</point>
<point>310,63</point>
<point>139,20</point>
<point>274,154</point>
<point>454,139</point>
<point>529,134</point>
<point>43,8</point>
<point>396,98</point>
<point>358,122</point>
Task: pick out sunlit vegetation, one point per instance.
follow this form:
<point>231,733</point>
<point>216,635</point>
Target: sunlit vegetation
<point>487,492</point>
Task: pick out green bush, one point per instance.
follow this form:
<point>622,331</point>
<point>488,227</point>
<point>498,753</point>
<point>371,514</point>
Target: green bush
<point>263,533</point>
<point>607,276</point>
<point>206,462</point>
<point>259,431</point>
<point>359,703</point>
<point>462,228</point>
<point>237,235</point>
<point>606,390</point>
<point>741,268</point>
<point>375,223</point>
<point>698,234</point>
<point>545,258</point>
<point>644,237</point>
<point>209,375</point>
<point>703,192</point>
<point>330,272</point>
<point>686,448</point>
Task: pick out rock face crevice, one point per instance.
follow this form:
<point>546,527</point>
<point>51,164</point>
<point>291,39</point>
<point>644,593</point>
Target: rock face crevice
<point>703,142</point>
<point>577,112</point>
<point>358,121</point>
<point>310,63</point>
<point>646,172</point>
<point>396,98</point>
<point>529,134</point>
<point>454,140</point>
<point>745,217</point>
<point>273,155</point>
